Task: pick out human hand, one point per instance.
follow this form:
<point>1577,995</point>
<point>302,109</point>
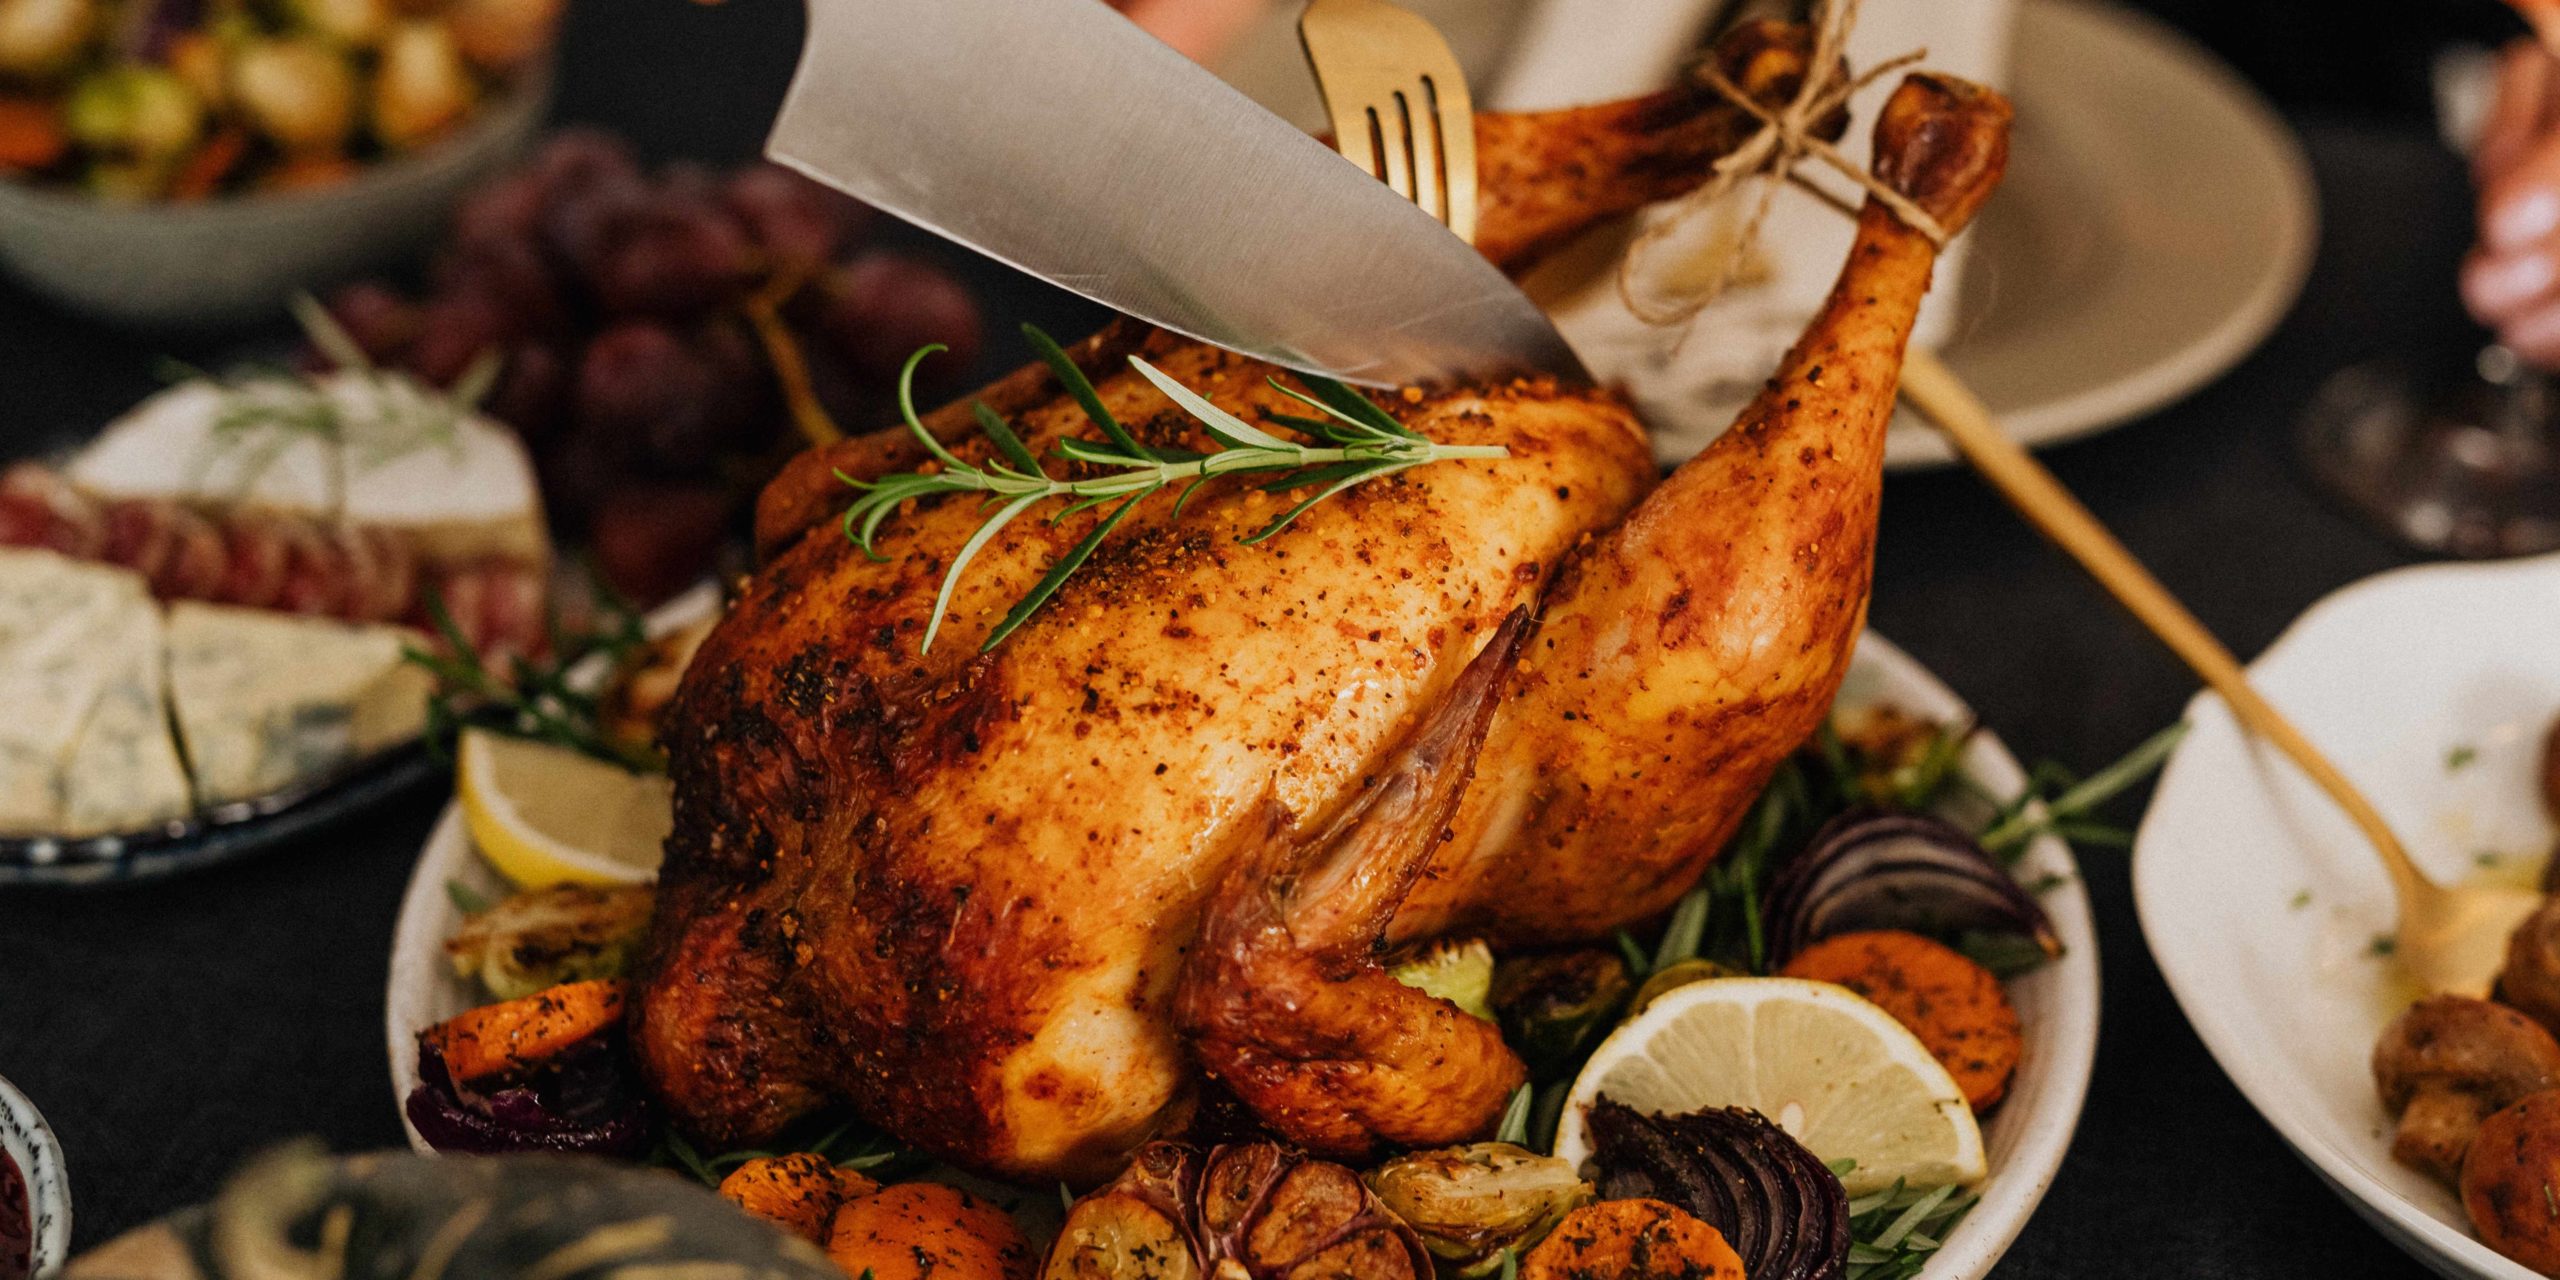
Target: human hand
<point>1200,29</point>
<point>2511,280</point>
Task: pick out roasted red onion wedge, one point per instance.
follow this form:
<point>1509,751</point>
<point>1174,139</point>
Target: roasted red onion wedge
<point>1777,1204</point>
<point>1871,869</point>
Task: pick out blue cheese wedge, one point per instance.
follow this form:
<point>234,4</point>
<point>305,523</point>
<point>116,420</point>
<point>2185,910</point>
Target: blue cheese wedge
<point>58,618</point>
<point>268,700</point>
<point>123,773</point>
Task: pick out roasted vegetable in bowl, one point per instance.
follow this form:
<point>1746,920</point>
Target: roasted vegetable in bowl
<point>1472,1205</point>
<point>178,100</point>
<point>2448,1063</point>
<point>545,937</point>
<point>1782,1208</point>
<point>1633,1240</point>
<point>1255,1211</point>
<point>545,1072</point>
<point>2507,1182</point>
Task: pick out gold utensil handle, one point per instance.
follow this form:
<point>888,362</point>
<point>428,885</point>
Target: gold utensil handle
<point>1941,396</point>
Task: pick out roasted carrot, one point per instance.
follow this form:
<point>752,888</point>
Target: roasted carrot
<point>917,1230</point>
<point>1632,1240</point>
<point>515,1033</point>
<point>202,175</point>
<point>1953,1005</point>
<point>799,1193</point>
<point>31,135</point>
<point>310,173</point>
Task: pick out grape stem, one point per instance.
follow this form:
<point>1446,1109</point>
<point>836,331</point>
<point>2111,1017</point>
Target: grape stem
<point>763,310</point>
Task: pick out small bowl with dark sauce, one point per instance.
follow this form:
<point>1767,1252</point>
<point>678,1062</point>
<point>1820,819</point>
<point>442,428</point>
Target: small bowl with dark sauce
<point>35,1195</point>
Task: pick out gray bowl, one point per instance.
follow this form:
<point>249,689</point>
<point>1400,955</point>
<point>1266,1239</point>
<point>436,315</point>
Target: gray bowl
<point>170,266</point>
<point>39,1158</point>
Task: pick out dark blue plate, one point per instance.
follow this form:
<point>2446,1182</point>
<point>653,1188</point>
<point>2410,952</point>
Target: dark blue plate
<point>227,833</point>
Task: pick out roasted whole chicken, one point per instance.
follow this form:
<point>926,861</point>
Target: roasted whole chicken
<point>1017,907</point>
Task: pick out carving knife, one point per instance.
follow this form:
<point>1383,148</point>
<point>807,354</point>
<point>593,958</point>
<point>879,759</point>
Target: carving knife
<point>1057,137</point>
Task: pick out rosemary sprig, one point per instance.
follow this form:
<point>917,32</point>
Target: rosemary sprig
<point>534,700</point>
<point>1892,1232</point>
<point>844,1144</point>
<point>2055,802</point>
<point>263,412</point>
<point>1354,441</point>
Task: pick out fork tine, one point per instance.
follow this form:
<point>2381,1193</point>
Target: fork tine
<point>1398,102</point>
<point>1422,125</point>
<point>1453,120</point>
<point>1392,128</point>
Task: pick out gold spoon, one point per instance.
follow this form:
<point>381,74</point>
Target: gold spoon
<point>2451,938</point>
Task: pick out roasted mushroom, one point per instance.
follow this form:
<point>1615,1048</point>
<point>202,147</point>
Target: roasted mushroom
<point>2531,980</point>
<point>2447,1064</point>
<point>2508,1178</point>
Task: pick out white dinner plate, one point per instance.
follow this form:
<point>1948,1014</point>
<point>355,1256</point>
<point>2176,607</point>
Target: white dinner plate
<point>2156,222</point>
<point>2431,688</point>
<point>2058,1004</point>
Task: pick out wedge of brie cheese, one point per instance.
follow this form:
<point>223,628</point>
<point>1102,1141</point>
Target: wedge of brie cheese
<point>266,700</point>
<point>460,493</point>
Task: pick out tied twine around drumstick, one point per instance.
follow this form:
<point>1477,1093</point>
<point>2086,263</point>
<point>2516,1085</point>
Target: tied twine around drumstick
<point>1786,138</point>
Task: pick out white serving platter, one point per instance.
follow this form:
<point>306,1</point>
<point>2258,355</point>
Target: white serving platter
<point>2026,1137</point>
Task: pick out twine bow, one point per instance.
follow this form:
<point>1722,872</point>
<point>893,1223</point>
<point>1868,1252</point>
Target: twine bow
<point>1785,139</point>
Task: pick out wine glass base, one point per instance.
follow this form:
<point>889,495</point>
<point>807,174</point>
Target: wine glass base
<point>2460,463</point>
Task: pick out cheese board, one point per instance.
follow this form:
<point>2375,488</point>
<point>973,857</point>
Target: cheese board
<point>218,621</point>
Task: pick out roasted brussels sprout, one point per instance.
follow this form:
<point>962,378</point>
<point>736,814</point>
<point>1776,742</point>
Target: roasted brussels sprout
<point>1254,1211</point>
<point>353,22</point>
<point>1457,970</point>
<point>421,87</point>
<point>497,35</point>
<point>42,37</point>
<point>544,937</point>
<point>1672,976</point>
<point>300,93</point>
<point>128,110</point>
<point>1553,1007</point>
<point>1469,1204</point>
<point>1901,759</point>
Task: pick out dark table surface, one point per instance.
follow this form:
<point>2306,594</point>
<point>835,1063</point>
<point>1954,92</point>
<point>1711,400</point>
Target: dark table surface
<point>170,1029</point>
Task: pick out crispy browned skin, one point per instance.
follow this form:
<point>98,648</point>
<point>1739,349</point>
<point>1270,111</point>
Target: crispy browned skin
<point>1688,650</point>
<point>957,890</point>
<point>1283,998</point>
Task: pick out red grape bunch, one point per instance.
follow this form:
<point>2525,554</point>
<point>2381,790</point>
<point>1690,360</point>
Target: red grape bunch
<point>619,301</point>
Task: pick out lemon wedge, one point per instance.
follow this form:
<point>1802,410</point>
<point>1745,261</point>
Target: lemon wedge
<point>543,814</point>
<point>1837,1073</point>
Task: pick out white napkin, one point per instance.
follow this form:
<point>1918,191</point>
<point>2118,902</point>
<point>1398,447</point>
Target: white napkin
<point>1575,51</point>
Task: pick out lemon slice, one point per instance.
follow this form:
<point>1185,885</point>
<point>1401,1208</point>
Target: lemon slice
<point>543,814</point>
<point>1837,1073</point>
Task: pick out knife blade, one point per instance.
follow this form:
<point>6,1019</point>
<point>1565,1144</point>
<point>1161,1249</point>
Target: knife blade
<point>1057,137</point>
